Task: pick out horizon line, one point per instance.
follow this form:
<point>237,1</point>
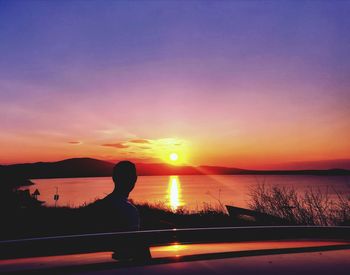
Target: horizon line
<point>203,165</point>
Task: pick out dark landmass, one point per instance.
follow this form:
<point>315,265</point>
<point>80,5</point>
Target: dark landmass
<point>235,171</point>
<point>24,216</point>
<point>319,165</point>
<point>88,167</point>
<point>69,168</point>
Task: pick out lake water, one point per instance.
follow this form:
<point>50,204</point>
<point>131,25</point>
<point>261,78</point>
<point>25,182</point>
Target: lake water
<point>192,192</point>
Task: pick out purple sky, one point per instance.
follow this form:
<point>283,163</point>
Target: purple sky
<point>241,83</point>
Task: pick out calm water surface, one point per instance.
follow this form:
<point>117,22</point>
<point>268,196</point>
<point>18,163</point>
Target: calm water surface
<point>192,192</point>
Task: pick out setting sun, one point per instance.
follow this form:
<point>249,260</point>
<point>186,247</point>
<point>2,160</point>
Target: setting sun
<point>173,157</point>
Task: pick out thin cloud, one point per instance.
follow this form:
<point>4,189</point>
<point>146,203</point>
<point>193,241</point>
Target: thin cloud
<point>139,140</point>
<point>116,145</point>
<point>74,142</point>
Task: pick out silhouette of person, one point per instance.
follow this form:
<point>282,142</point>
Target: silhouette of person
<point>116,207</point>
<point>125,213</point>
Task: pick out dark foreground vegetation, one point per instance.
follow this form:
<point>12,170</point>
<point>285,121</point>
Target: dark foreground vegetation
<point>312,207</point>
<point>22,215</point>
<point>46,221</point>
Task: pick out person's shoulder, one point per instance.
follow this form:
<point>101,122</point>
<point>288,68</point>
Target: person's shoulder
<point>133,216</point>
<point>130,206</point>
<point>133,206</point>
<point>99,202</point>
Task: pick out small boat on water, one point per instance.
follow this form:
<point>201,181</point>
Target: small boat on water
<point>258,217</point>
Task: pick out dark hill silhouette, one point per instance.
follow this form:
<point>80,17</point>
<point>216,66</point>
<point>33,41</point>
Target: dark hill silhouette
<point>88,167</point>
<point>76,167</point>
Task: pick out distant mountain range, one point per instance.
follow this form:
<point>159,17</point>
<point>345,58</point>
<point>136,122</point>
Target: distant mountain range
<point>88,167</point>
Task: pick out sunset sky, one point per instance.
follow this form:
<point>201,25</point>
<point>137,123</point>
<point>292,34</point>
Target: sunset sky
<point>250,84</point>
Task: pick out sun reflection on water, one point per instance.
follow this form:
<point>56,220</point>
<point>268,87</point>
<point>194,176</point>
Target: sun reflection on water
<point>174,193</point>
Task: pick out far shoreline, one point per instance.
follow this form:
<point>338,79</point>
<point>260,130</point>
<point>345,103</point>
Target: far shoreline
<point>321,173</point>
<point>17,175</point>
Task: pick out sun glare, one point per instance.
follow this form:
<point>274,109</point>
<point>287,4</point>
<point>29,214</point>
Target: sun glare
<point>170,151</point>
<point>173,157</point>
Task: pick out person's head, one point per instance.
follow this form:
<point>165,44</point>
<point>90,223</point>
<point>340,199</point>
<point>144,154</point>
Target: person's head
<point>124,177</point>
